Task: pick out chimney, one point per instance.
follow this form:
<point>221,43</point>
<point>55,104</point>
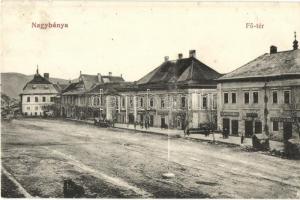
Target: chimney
<point>180,56</point>
<point>46,76</point>
<point>109,74</point>
<point>192,53</point>
<point>166,58</point>
<point>99,77</point>
<point>273,49</point>
<point>295,43</point>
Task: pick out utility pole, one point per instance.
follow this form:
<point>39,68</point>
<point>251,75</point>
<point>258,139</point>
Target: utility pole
<point>147,111</point>
<point>100,102</point>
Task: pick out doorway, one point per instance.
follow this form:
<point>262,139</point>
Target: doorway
<point>151,120</point>
<point>235,127</point>
<point>248,128</point>
<point>131,118</point>
<point>258,127</point>
<point>287,130</point>
<point>163,122</point>
<point>226,126</point>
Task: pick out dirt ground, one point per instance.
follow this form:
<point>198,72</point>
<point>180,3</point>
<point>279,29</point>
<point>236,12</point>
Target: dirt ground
<point>114,163</point>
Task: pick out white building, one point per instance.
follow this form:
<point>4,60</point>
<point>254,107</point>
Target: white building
<point>38,95</point>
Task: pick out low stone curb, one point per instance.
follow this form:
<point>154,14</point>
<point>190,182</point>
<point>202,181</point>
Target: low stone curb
<point>174,136</point>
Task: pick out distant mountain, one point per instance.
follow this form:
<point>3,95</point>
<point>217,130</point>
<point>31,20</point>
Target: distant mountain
<point>12,83</point>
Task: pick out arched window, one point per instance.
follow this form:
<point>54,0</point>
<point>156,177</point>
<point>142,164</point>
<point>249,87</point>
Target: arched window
<point>98,101</point>
<point>151,102</point>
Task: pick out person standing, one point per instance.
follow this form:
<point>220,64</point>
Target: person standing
<point>242,137</point>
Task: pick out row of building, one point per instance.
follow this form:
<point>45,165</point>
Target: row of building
<point>262,96</point>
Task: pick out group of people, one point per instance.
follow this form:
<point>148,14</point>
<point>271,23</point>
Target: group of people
<point>142,124</point>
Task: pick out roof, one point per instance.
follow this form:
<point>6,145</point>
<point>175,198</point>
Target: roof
<point>38,79</point>
<point>285,63</point>
<point>74,88</point>
<point>40,89</point>
<point>187,71</point>
<point>112,88</point>
<point>40,85</point>
<point>86,82</point>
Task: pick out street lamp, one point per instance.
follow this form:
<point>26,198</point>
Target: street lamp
<point>148,99</point>
<point>147,111</point>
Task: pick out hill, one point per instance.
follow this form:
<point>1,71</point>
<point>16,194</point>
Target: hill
<point>12,83</point>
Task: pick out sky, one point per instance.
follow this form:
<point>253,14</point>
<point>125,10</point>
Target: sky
<point>132,38</point>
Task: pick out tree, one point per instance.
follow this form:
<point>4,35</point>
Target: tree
<point>293,110</point>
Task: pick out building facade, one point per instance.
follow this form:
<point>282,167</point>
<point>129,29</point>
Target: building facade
<point>177,93</point>
<point>79,100</point>
<point>262,96</point>
<point>38,95</point>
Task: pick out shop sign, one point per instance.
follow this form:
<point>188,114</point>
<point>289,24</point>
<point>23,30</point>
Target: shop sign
<point>161,112</point>
<point>281,119</point>
<point>230,114</point>
<point>251,115</point>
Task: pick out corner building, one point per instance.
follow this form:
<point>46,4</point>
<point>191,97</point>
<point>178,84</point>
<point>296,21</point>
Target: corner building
<point>263,96</point>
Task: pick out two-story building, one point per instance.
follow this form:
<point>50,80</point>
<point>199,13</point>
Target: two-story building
<point>38,95</point>
<point>175,93</point>
<point>262,96</point>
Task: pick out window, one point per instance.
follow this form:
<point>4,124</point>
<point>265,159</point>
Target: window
<point>275,126</point>
<point>117,102</point>
<point>174,102</point>
<point>183,102</point>
<point>123,102</point>
<point>204,102</point>
<point>286,97</point>
<point>275,100</point>
<point>36,99</point>
<point>51,99</point>
<point>246,97</point>
<point>28,99</point>
<point>36,107</point>
<point>141,102</point>
<point>162,103</point>
<point>214,101</point>
<point>233,97</point>
<point>28,108</point>
<point>131,102</point>
<point>225,97</point>
<point>44,99</point>
<point>255,97</point>
<point>151,102</point>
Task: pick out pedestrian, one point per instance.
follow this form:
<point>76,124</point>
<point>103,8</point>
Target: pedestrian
<point>242,137</point>
<point>134,124</point>
<point>186,129</point>
<point>224,132</point>
<point>142,124</point>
